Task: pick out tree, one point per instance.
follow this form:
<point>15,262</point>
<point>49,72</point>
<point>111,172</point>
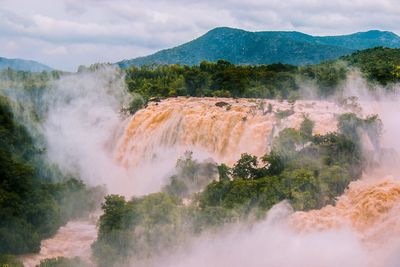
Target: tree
<point>136,104</point>
<point>63,262</point>
<point>224,172</point>
<point>274,164</point>
<point>10,261</point>
<point>306,128</point>
<point>191,176</point>
<point>246,167</point>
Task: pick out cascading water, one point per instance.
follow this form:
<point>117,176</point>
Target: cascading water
<point>224,129</point>
<point>72,240</point>
<point>217,128</point>
<point>365,205</point>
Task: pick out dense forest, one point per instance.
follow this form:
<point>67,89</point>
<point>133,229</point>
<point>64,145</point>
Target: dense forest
<point>266,47</point>
<point>279,81</point>
<point>378,64</point>
<point>32,205</point>
<point>223,79</point>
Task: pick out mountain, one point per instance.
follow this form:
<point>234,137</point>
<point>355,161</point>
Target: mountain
<point>244,47</point>
<point>362,40</point>
<point>23,65</point>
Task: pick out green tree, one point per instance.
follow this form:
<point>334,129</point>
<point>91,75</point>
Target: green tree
<point>246,167</point>
<point>306,128</point>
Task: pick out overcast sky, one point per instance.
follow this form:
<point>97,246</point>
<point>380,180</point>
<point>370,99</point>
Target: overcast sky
<point>68,33</point>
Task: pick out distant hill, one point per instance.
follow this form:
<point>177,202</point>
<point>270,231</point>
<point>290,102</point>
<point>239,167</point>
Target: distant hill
<point>243,47</point>
<point>23,65</point>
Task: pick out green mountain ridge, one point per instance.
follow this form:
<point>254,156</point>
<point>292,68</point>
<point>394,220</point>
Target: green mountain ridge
<point>266,47</point>
<point>23,65</point>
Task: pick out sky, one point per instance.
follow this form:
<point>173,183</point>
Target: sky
<point>67,33</point>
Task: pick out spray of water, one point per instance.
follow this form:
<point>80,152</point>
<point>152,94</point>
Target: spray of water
<point>359,230</point>
<point>85,134</point>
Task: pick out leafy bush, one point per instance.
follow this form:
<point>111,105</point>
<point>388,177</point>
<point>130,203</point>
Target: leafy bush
<point>10,261</point>
<point>378,64</point>
<point>281,114</point>
<point>137,228</point>
<point>137,103</point>
<point>63,262</point>
<point>191,176</point>
<point>220,79</point>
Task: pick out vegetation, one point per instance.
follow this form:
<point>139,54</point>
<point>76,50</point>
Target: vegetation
<point>378,64</point>
<point>308,170</point>
<point>32,207</point>
<point>280,81</point>
<point>63,262</point>
<point>254,48</point>
<point>10,261</point>
<point>221,79</point>
<point>191,176</point>
<point>29,81</point>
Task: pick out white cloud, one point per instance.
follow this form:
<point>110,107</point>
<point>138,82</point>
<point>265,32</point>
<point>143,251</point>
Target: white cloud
<point>59,50</point>
<point>96,30</point>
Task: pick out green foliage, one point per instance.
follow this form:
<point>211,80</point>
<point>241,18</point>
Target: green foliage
<point>310,174</point>
<point>306,128</point>
<point>285,145</point>
<point>220,79</point>
<point>293,96</point>
<point>352,126</point>
<point>10,261</point>
<point>377,64</point>
<point>242,194</point>
<point>28,81</point>
<point>138,228</point>
<point>243,47</point>
<point>274,164</point>
<point>63,262</point>
<point>269,109</point>
<point>302,187</point>
<point>246,167</point>
<point>308,171</point>
<point>191,176</point>
<point>327,76</point>
<point>137,103</point>
<point>32,208</point>
<point>279,81</point>
<point>224,172</point>
<point>281,114</point>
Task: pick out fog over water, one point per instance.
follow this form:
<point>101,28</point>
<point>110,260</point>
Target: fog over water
<point>87,135</point>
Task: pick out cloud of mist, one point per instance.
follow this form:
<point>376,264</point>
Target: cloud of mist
<point>273,242</point>
<point>366,98</point>
<point>270,243</point>
<point>385,102</point>
<point>82,127</point>
<point>82,122</point>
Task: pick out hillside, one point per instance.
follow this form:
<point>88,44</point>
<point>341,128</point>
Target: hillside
<point>377,64</point>
<point>23,65</point>
<point>243,47</point>
<point>362,40</point>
